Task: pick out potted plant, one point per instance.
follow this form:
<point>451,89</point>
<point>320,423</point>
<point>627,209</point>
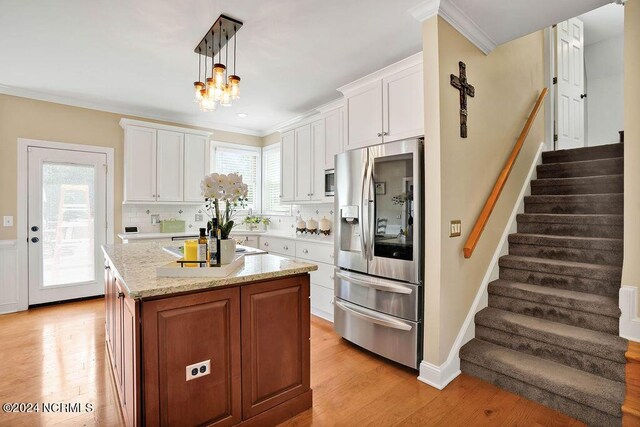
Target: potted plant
<point>264,223</point>
<point>252,222</point>
<point>230,192</point>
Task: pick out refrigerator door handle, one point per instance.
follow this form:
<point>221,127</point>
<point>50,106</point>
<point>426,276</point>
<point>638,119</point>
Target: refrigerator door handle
<point>373,317</point>
<point>364,219</point>
<point>381,285</point>
<point>370,207</point>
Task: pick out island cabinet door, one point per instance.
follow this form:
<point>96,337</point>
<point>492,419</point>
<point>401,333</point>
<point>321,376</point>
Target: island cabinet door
<point>191,359</point>
<point>275,343</point>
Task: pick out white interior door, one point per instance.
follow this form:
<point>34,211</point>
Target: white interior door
<point>570,87</point>
<point>67,223</point>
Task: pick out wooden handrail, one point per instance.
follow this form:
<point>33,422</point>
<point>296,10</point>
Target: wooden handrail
<point>478,228</point>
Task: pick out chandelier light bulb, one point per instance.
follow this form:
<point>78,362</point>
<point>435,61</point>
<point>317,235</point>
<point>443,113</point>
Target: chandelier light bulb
<point>197,95</point>
<point>234,85</point>
<point>226,96</point>
<point>218,73</point>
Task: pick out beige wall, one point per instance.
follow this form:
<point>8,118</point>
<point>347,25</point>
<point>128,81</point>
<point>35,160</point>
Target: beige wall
<point>32,119</point>
<point>507,83</point>
<point>631,268</point>
<point>271,139</point>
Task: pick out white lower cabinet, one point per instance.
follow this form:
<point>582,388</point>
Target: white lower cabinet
<point>322,302</point>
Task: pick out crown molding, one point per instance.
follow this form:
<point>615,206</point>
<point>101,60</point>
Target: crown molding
<point>466,26</point>
<point>413,60</point>
<point>451,13</point>
<point>124,122</point>
<point>330,106</point>
<point>127,111</point>
<point>425,10</point>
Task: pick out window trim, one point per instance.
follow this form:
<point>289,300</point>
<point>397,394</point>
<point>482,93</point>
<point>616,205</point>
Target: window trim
<point>263,210</point>
<point>259,178</point>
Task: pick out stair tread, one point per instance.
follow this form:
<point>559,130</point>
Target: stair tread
<point>580,163</point>
<point>576,242</point>
<point>580,301</point>
<point>600,344</point>
<point>550,198</point>
<point>577,179</point>
<point>586,270</point>
<point>591,390</point>
<point>608,219</point>
<point>605,150</point>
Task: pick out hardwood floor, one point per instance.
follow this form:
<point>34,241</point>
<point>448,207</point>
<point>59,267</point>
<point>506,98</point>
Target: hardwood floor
<point>57,354</point>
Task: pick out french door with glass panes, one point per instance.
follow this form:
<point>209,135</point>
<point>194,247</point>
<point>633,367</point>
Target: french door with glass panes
<point>67,223</point>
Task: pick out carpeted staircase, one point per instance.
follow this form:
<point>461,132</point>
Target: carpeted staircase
<point>550,332</point>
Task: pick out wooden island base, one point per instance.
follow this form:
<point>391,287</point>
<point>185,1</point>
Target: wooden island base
<point>254,338</point>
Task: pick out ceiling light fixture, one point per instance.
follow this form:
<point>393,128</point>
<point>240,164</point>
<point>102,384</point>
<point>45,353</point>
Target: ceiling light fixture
<point>242,115</point>
<point>219,89</point>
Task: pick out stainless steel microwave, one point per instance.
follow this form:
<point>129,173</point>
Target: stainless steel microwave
<point>329,182</point>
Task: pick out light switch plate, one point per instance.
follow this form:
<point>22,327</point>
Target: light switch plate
<point>199,218</point>
<point>198,370</point>
<point>7,221</point>
<point>455,228</point>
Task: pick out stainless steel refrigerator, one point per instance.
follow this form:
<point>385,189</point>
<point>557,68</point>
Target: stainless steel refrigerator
<point>379,249</point>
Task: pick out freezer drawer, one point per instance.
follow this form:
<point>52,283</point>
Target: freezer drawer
<point>388,336</point>
<point>388,296</point>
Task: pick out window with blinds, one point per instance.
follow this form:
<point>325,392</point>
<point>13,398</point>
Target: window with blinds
<point>244,161</point>
<point>271,182</point>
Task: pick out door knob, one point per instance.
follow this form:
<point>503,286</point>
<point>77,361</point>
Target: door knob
<point>35,240</point>
<point>35,228</point>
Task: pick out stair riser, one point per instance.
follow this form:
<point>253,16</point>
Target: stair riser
<point>580,208</point>
<point>581,412</point>
<point>567,316</point>
<point>567,254</point>
<point>575,230</point>
<point>604,188</point>
<point>576,170</point>
<point>558,281</point>
<point>584,362</point>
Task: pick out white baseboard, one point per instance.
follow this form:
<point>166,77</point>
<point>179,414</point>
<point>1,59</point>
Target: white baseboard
<point>629,319</point>
<point>440,376</point>
<point>9,292</point>
<point>322,314</point>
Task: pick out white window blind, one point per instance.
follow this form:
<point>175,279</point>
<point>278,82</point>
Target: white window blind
<point>243,161</point>
<point>271,181</point>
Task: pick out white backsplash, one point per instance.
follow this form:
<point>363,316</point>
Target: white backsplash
<point>140,216</point>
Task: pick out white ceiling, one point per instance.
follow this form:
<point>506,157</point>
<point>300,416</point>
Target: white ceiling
<point>137,56</point>
<point>603,23</point>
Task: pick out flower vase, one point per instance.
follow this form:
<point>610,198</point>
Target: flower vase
<point>227,251</point>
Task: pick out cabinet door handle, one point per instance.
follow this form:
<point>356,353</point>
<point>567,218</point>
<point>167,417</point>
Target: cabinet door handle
<point>266,243</point>
<point>305,251</point>
<point>120,295</point>
<point>379,134</point>
<point>286,248</point>
<point>385,133</point>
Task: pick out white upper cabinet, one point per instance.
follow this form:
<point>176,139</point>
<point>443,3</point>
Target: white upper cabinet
<point>287,164</point>
<point>303,163</point>
<point>140,164</point>
<point>170,164</point>
<point>385,106</point>
<point>196,165</point>
<point>316,167</point>
<point>403,104</point>
<point>333,137</point>
<point>364,116</point>
<point>163,164</point>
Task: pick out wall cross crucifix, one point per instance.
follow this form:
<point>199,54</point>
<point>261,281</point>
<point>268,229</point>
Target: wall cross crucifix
<point>465,89</point>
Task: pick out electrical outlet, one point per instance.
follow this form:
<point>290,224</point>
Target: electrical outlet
<point>199,369</point>
<point>455,228</point>
<point>199,218</point>
<point>7,221</point>
<point>155,219</point>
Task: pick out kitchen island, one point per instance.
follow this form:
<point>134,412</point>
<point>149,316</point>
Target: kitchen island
<point>207,351</point>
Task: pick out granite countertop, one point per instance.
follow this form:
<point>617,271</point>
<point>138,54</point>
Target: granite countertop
<point>135,266</point>
<point>327,240</point>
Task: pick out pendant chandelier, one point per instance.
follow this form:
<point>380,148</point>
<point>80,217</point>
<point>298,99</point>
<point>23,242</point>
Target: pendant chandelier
<point>219,87</point>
